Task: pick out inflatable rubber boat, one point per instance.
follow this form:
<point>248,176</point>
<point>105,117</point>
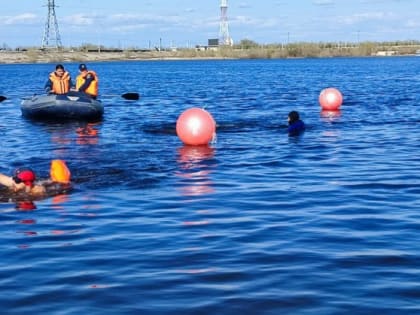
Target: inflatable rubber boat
<point>70,106</point>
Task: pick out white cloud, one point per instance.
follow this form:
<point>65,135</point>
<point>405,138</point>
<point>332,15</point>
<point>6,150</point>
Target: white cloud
<point>79,20</point>
<point>128,28</point>
<point>132,23</point>
<point>362,17</point>
<point>25,18</point>
<point>257,23</point>
<point>412,24</point>
<point>145,19</point>
<point>244,5</point>
<point>123,18</point>
<point>323,2</point>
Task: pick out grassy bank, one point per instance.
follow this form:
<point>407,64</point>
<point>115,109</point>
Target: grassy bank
<point>244,50</point>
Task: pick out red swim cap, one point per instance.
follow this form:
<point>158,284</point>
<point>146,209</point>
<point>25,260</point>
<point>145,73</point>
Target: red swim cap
<point>24,175</point>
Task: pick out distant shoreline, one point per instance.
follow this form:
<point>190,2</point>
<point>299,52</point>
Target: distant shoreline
<point>53,56</point>
<point>22,57</point>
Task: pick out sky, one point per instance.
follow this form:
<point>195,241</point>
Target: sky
<point>186,23</point>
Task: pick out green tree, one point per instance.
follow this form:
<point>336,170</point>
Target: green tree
<point>247,44</point>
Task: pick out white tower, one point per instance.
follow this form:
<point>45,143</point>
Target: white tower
<point>224,37</point>
<point>51,38</point>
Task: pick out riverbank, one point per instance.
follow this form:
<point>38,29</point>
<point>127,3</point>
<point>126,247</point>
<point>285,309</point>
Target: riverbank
<point>260,52</point>
<point>36,56</point>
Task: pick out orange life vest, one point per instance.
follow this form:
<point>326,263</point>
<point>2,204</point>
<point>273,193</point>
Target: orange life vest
<point>93,86</point>
<point>60,85</point>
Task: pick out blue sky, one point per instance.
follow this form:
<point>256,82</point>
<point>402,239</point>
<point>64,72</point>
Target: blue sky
<point>182,23</point>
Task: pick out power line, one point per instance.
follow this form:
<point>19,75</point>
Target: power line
<point>51,38</point>
<point>224,37</point>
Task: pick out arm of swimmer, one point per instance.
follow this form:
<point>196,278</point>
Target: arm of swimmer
<point>38,190</point>
<point>6,181</point>
<point>10,183</point>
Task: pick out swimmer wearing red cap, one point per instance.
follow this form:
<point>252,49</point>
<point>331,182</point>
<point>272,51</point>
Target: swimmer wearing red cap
<point>23,180</point>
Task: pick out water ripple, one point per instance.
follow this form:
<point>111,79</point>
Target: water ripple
<point>254,223</point>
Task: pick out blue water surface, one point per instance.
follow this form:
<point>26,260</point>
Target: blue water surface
<point>256,223</point>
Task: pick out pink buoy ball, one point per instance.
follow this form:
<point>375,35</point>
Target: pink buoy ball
<point>195,126</point>
<point>330,99</point>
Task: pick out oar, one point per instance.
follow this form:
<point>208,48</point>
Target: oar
<point>128,96</point>
<point>131,96</point>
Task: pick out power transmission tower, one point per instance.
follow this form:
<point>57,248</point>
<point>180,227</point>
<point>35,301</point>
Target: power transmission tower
<point>224,37</point>
<point>51,38</point>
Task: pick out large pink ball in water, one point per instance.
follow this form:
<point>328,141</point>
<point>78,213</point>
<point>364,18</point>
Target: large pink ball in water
<point>195,126</point>
<point>330,99</point>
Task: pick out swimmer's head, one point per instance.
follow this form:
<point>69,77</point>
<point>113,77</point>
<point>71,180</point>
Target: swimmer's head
<point>24,175</point>
<point>293,116</point>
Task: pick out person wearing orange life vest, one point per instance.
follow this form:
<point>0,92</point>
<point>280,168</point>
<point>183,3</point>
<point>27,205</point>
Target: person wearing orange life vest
<point>59,81</point>
<point>87,81</point>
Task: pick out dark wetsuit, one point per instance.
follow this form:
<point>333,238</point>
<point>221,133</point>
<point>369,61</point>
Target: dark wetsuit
<point>296,128</point>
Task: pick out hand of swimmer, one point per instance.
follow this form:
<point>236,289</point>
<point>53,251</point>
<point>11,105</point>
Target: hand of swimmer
<point>38,190</point>
<point>18,187</point>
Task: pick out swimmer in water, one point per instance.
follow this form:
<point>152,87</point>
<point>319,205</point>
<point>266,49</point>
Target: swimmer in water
<point>296,125</point>
<point>24,181</point>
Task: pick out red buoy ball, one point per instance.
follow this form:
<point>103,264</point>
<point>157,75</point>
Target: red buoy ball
<point>330,99</point>
<point>195,126</point>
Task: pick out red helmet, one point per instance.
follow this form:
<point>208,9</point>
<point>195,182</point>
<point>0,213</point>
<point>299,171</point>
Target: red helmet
<point>24,175</point>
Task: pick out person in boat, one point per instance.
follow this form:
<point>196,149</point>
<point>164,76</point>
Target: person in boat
<point>87,81</point>
<point>59,81</point>
<point>296,125</point>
